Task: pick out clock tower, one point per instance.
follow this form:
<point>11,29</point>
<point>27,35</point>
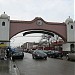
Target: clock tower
<point>4,29</point>
<point>70,45</point>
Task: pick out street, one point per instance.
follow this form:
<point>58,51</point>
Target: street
<point>51,66</point>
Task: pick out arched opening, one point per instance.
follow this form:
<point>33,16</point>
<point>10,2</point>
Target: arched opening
<point>71,26</point>
<point>3,23</point>
<point>72,47</point>
<point>46,39</point>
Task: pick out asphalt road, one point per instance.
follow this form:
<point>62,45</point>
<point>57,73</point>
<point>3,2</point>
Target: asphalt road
<point>29,66</point>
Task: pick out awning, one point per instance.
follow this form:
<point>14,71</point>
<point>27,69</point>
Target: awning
<point>3,45</point>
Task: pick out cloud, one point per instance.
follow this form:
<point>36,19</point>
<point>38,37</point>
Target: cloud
<point>29,9</point>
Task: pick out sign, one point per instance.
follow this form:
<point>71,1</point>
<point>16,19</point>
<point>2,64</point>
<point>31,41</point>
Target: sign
<point>3,45</point>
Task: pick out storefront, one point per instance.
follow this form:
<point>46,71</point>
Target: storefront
<point>3,50</point>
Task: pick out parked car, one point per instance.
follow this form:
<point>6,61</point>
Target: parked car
<point>71,56</point>
<point>39,54</point>
<point>55,54</point>
<point>48,52</point>
<point>17,54</point>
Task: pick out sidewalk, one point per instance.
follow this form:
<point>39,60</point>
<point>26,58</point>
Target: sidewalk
<point>4,67</point>
<point>13,68</point>
<point>7,68</point>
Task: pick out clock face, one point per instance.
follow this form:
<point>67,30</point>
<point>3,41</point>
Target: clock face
<point>39,22</point>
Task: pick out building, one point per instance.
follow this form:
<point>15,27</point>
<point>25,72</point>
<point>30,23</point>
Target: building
<point>4,33</point>
<point>30,45</point>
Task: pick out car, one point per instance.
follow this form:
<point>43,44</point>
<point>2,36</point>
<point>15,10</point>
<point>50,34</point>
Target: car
<point>39,54</point>
<point>55,54</point>
<point>71,56</point>
<point>45,51</point>
<point>17,54</point>
<point>48,52</point>
<point>51,54</point>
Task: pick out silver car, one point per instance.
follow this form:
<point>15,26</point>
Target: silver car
<point>71,56</point>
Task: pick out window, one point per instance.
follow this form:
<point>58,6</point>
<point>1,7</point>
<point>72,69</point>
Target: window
<point>71,26</point>
<point>72,47</point>
<point>3,23</point>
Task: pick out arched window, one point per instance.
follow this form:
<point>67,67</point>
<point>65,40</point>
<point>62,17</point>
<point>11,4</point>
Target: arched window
<point>3,23</point>
<point>72,47</point>
<point>71,26</point>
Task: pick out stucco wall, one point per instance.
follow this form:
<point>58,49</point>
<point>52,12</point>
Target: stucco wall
<point>19,26</point>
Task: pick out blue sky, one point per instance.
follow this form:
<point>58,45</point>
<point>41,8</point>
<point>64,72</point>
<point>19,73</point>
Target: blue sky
<point>49,10</point>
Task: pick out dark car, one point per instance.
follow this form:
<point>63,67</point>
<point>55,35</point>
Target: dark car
<point>39,54</point>
<point>48,52</point>
<point>56,54</point>
<point>17,54</point>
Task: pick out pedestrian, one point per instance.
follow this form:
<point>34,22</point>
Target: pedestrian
<point>7,53</point>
